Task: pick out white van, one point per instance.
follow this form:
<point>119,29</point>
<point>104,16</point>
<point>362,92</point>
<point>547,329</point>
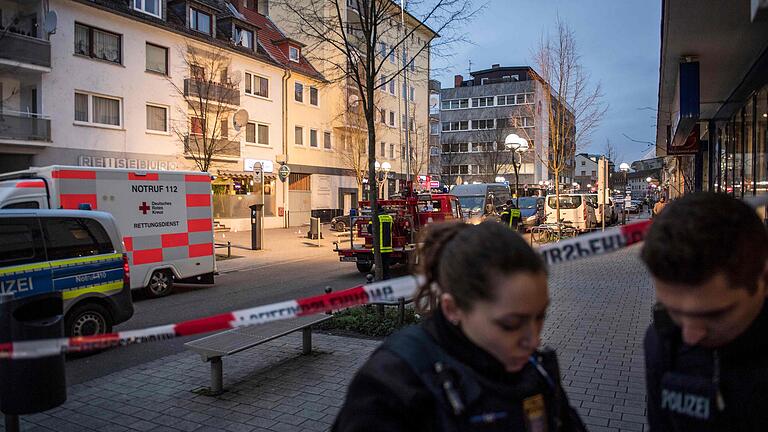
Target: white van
<point>165,217</point>
<point>575,209</point>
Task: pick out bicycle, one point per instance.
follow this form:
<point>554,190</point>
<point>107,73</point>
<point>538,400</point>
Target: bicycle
<point>552,232</point>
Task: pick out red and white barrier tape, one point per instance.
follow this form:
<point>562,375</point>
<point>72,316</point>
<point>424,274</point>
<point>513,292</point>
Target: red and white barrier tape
<point>596,243</point>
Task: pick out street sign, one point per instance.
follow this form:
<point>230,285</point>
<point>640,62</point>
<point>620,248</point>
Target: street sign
<point>257,172</point>
<point>284,172</point>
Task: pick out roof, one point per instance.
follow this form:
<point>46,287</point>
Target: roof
<point>270,36</point>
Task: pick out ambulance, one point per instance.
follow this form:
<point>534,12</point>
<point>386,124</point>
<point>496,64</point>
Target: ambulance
<point>164,217</point>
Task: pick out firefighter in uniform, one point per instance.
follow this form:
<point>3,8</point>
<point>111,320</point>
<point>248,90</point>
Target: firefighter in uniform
<point>511,215</point>
<point>474,364</point>
<point>706,352</point>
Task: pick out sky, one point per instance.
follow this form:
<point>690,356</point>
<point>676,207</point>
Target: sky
<point>619,45</point>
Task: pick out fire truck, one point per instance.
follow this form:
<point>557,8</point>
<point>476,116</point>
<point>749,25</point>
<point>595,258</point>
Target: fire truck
<point>409,215</point>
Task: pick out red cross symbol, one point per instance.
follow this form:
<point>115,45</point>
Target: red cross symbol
<point>144,207</point>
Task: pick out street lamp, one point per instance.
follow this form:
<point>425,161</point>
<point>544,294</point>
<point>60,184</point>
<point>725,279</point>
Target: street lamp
<point>518,146</point>
<point>382,171</point>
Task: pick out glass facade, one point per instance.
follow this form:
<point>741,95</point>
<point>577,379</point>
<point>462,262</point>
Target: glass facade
<point>737,160</point>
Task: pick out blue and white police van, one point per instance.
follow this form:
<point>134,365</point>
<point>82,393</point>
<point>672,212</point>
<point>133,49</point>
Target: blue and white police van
<point>78,253</point>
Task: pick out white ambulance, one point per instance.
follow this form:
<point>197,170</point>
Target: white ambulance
<point>165,217</point>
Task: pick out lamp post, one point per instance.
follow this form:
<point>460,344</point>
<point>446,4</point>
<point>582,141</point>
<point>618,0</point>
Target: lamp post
<point>382,171</point>
<point>517,145</point>
<point>624,167</point>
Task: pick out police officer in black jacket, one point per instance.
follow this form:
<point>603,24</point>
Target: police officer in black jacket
<point>474,364</point>
<point>707,349</point>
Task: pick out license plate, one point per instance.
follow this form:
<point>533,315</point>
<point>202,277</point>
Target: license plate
<point>348,259</point>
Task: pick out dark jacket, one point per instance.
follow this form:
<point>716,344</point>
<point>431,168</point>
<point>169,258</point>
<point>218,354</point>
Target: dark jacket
<point>674,369</point>
<point>387,395</point>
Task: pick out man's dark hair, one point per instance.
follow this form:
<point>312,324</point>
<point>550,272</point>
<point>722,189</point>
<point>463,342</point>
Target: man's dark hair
<point>703,234</point>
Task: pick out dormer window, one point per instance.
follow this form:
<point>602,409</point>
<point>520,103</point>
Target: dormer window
<point>243,37</point>
<point>149,7</point>
<point>199,21</point>
<point>293,53</point>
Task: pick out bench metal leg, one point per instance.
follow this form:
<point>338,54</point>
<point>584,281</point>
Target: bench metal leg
<point>217,376</point>
<point>307,340</point>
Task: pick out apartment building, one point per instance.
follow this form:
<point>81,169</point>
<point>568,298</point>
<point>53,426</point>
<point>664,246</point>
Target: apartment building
<point>124,84</point>
<point>395,89</point>
<point>477,114</point>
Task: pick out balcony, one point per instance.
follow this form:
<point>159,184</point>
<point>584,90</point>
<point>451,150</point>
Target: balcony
<point>25,51</point>
<point>24,127</point>
<point>228,94</point>
<point>221,147</point>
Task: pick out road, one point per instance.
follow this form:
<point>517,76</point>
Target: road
<point>264,284</point>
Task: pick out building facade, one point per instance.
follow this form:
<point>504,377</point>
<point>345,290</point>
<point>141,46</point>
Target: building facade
<point>713,97</point>
<point>476,116</point>
<point>155,84</point>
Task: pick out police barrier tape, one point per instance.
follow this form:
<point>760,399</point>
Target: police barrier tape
<point>593,244</point>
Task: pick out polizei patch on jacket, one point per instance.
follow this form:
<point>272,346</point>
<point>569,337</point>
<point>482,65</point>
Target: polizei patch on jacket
<point>687,404</point>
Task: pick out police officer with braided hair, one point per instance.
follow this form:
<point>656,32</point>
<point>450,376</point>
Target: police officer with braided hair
<point>707,348</point>
<point>475,363</point>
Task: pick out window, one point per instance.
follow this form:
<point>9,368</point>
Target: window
<point>383,49</point>
<point>482,102</point>
<point>594,173</point>
<point>224,131</point>
<point>383,149</point>
<point>455,126</point>
<point>293,54</point>
<point>199,21</point>
<point>583,163</point>
<point>392,54</point>
<point>392,87</point>
<point>250,133</point>
<point>327,140</point>
<point>434,129</point>
<point>298,95</point>
<point>197,72</point>
<point>157,118</point>
<point>383,115</point>
<point>196,126</point>
<point>413,94</point>
<point>102,110</point>
<point>98,44</point>
<point>483,81</point>
<point>391,151</point>
<point>263,134</point>
<point>313,138</point>
<point>69,238</point>
<point>392,118</point>
<point>483,124</point>
<point>405,91</point>
<point>157,59</point>
<point>455,104</point>
<point>298,135</point>
<point>313,99</point>
<point>383,83</point>
<point>149,7</point>
<point>402,121</point>
<point>17,241</point>
<point>256,85</point>
<point>243,37</point>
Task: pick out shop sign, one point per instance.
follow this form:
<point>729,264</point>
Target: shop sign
<point>126,163</point>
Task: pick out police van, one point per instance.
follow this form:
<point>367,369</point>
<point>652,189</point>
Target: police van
<point>165,217</point>
<point>78,253</point>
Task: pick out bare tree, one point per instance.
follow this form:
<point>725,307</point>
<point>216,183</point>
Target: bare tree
<point>209,97</point>
<point>354,152</point>
<point>569,106</point>
<point>354,48</point>
<point>610,153</point>
<point>419,140</point>
<point>493,157</point>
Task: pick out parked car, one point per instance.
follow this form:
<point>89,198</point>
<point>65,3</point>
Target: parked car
<point>341,223</point>
<point>634,207</point>
<point>531,211</point>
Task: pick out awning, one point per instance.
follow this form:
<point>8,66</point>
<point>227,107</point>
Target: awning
<point>241,175</point>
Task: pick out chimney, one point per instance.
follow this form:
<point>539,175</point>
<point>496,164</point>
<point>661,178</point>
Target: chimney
<point>496,66</point>
<point>457,80</point>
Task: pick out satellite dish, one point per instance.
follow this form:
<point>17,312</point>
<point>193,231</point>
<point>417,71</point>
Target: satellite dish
<point>240,119</point>
<point>50,21</point>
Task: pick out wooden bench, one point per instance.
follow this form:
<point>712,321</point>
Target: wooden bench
<point>213,348</point>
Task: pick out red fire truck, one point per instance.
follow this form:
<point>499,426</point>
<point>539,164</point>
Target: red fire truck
<point>409,215</point>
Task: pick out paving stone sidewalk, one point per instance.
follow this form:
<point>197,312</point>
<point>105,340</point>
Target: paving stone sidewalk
<point>600,309</point>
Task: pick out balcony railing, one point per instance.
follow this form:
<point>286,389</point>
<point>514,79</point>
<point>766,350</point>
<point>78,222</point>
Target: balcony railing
<point>24,127</point>
<point>194,144</point>
<point>26,50</point>
<point>212,91</point>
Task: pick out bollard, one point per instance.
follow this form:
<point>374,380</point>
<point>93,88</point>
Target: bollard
<point>328,290</point>
<point>229,249</point>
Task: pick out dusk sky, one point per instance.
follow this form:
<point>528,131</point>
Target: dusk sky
<point>618,42</point>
